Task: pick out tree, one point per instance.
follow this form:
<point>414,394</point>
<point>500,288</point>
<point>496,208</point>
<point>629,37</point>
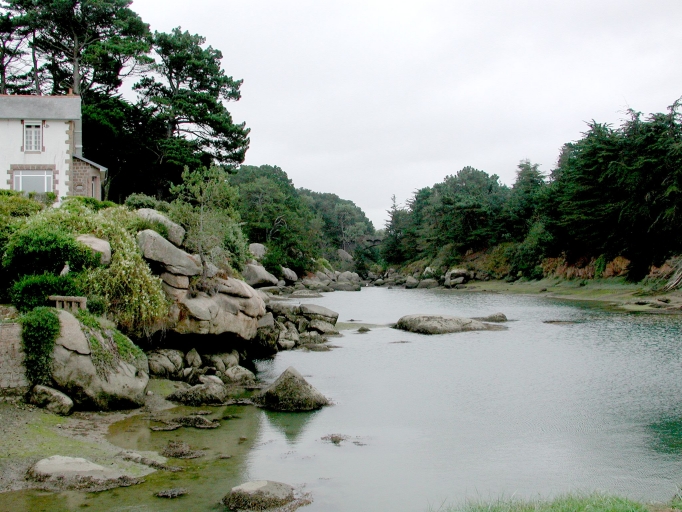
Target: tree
<point>187,91</point>
<point>205,206</point>
<point>12,49</point>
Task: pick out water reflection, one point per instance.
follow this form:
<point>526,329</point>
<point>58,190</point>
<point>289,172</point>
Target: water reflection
<point>666,436</point>
<point>291,424</point>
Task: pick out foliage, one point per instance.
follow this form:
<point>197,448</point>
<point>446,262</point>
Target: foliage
<point>525,257</point>
<point>92,203</point>
<point>82,44</point>
<point>204,205</point>
<point>31,291</point>
<point>187,91</point>
<point>137,201</point>
<point>97,305</point>
<point>15,204</point>
<point>45,247</point>
<point>39,330</point>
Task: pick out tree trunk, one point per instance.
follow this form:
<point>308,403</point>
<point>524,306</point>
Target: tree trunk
<point>36,82</point>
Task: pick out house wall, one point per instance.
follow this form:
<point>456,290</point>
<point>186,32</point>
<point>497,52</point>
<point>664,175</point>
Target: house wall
<point>82,174</point>
<point>12,371</point>
<point>57,141</point>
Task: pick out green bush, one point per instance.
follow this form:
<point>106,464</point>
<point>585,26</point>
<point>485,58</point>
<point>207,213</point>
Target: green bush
<point>33,291</point>
<point>13,204</point>
<point>39,330</point>
<point>44,247</point>
<point>92,203</point>
<point>137,201</point>
<point>141,224</point>
<point>97,305</point>
<point>525,257</point>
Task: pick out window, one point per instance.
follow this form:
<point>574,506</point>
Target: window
<point>33,181</point>
<point>33,136</point>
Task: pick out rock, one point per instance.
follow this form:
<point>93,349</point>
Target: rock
<point>267,322</point>
<point>289,275</point>
<point>311,338</point>
<point>322,327</point>
<point>201,394</point>
<point>207,379</point>
<point>193,359</point>
<point>239,375</point>
<point>291,392</point>
<point>281,283</point>
<point>257,250</point>
<point>176,233</point>
<point>180,282</point>
<point>325,277</point>
<point>344,256</point>
<point>97,245</point>
<point>345,277</point>
<point>495,317</point>
<point>305,294</point>
<point>411,283</point>
<point>257,277</point>
<point>166,363</point>
<point>288,311</point>
<point>118,386</point>
<point>156,248</point>
<point>345,287</point>
<point>76,473</point>
<point>379,282</point>
<point>285,344</point>
<point>434,324</point>
<point>313,311</point>
<point>428,273</point>
<point>217,314</point>
<point>428,283</point>
<point>52,400</point>
<point>259,495</point>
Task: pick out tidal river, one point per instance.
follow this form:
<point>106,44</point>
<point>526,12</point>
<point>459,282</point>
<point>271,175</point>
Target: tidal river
<point>591,402</point>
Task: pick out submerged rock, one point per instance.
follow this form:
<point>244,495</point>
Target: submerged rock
<point>52,400</point>
<point>495,317</point>
<point>59,472</point>
<point>291,392</point>
<point>201,394</point>
<point>435,324</point>
<point>259,495</point>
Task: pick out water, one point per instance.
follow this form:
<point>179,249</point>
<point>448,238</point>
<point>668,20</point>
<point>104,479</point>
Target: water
<point>536,410</point>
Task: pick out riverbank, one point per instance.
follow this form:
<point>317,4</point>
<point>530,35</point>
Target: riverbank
<point>615,293</point>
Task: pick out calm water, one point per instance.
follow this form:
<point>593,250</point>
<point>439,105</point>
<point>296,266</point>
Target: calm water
<point>538,409</point>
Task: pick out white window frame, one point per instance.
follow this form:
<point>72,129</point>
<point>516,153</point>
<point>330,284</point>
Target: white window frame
<point>33,136</point>
<point>46,174</point>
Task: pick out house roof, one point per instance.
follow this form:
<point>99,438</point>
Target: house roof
<point>40,107</point>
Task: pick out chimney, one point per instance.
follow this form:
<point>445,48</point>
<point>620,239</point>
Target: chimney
<point>77,133</point>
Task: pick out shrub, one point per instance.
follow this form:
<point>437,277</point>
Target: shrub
<point>92,203</point>
<point>39,330</point>
<point>525,257</point>
<point>141,224</point>
<point>97,305</point>
<point>33,291</point>
<point>137,201</point>
<point>45,247</point>
<point>13,204</point>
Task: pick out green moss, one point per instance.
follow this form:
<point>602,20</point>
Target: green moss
<point>595,502</point>
<point>126,348</point>
<point>40,329</point>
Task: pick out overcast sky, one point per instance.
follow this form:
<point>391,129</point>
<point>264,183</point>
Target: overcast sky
<point>367,99</point>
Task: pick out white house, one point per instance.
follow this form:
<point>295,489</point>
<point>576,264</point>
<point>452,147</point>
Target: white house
<point>41,147</point>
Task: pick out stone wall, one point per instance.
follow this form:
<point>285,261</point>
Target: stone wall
<point>81,180</point>
<point>12,372</point>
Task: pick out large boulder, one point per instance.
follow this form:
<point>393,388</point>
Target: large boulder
<point>166,363</point>
<point>257,251</point>
<point>322,327</point>
<point>411,283</point>
<point>78,372</point>
<point>156,248</point>
<point>436,324</point>
<point>315,312</point>
<point>259,495</point>
<point>428,283</point>
<point>257,277</point>
<point>210,393</point>
<point>176,233</point>
<point>289,275</point>
<point>239,375</point>
<point>344,256</point>
<point>51,399</point>
<point>102,247</point>
<point>345,287</point>
<point>291,392</point>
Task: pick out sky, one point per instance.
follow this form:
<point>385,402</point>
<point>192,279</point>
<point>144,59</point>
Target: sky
<point>370,99</point>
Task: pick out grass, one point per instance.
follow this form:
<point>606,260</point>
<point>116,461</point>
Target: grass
<point>595,502</point>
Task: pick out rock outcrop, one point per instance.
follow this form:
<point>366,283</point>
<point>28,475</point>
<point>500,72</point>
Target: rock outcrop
<point>79,372</point>
<point>176,233</point>
<point>51,399</point>
<point>157,249</point>
<point>257,277</point>
<point>259,495</point>
<point>291,392</point>
<point>102,247</point>
<point>436,324</point>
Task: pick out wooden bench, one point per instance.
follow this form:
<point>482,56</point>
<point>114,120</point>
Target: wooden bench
<point>69,303</point>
